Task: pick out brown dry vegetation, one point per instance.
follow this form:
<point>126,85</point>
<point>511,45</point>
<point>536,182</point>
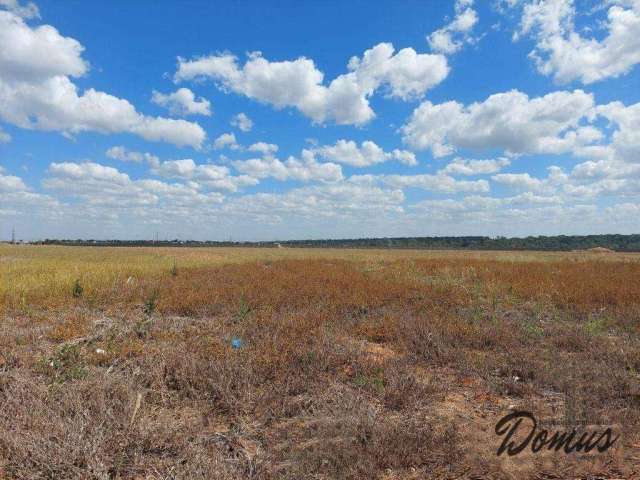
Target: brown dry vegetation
<point>355,364</point>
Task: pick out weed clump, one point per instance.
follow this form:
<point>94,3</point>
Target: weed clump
<point>142,327</point>
<point>151,303</point>
<point>64,365</point>
<point>77,289</point>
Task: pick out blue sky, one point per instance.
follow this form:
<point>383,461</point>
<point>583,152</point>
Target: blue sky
<point>278,120</point>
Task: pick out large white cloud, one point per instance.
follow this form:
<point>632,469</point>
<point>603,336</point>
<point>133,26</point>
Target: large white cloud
<point>216,177</point>
<point>521,181</point>
<point>36,90</point>
<point>463,166</point>
<point>298,83</point>
<point>439,183</point>
<point>343,200</point>
<point>436,183</point>
<point>611,168</point>
<point>507,215</point>
<point>368,153</point>
<point>510,121</point>
<point>99,185</point>
<point>125,155</point>
<point>471,205</point>
<point>607,168</point>
<point>567,55</point>
<point>305,169</point>
<point>606,177</point>
<point>89,171</point>
<point>606,187</point>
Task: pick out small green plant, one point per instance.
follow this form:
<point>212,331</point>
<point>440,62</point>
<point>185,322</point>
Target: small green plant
<point>360,381</point>
<point>244,309</point>
<point>151,303</point>
<point>532,330</point>
<point>374,382</point>
<point>77,289</point>
<point>596,326</point>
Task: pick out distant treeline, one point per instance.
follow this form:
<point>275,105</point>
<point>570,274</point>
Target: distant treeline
<point>621,243</point>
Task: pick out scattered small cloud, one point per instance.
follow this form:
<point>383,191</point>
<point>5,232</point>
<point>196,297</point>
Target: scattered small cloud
<point>182,102</point>
<point>242,122</point>
<point>226,140</point>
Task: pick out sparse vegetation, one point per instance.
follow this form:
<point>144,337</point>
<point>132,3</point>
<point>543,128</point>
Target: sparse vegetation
<point>354,364</point>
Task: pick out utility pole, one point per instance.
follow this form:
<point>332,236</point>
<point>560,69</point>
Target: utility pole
<point>13,235</point>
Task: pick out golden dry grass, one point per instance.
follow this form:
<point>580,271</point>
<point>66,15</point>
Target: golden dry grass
<point>354,363</point>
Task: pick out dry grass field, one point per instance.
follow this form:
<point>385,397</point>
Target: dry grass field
<point>353,364</point>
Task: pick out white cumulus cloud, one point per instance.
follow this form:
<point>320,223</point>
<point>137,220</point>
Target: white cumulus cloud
<point>226,140</point>
<point>509,121</point>
<point>300,84</point>
<point>11,183</point>
<point>263,148</point>
<point>182,102</point>
<point>216,177</point>
<point>463,166</point>
<point>435,183</point>
<point>453,36</point>
<point>368,153</point>
<point>36,90</point>
<point>124,155</point>
<point>242,122</point>
<point>567,55</point>
<point>305,169</point>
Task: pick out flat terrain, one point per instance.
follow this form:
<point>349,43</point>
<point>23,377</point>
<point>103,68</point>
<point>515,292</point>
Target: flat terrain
<point>382,364</point>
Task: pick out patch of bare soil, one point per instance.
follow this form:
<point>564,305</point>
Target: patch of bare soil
<point>474,410</point>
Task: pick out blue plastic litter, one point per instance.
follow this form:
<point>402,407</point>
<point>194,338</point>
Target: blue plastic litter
<point>236,342</point>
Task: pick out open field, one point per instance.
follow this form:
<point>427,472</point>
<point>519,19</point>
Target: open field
<point>117,362</point>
